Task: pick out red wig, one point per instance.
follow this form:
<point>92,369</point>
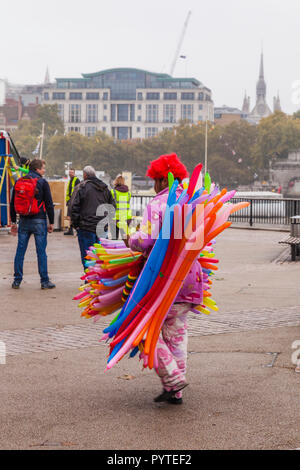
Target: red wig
<point>159,168</point>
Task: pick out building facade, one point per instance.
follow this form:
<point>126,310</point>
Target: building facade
<point>225,115</point>
<point>128,103</point>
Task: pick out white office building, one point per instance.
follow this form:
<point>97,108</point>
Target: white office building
<point>128,103</point>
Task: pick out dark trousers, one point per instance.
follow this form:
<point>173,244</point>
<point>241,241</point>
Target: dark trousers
<point>85,240</point>
<point>27,227</point>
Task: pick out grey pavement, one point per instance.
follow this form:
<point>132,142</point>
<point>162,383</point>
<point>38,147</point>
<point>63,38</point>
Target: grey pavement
<point>243,392</point>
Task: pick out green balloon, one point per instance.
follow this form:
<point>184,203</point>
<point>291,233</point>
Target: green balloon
<point>170,180</point>
<point>207,182</point>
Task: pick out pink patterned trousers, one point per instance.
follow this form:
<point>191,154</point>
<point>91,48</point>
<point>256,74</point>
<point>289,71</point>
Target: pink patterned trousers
<point>171,349</point>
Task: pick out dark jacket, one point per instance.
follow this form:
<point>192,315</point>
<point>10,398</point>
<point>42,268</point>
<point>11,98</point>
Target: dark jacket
<point>43,195</point>
<point>91,194</point>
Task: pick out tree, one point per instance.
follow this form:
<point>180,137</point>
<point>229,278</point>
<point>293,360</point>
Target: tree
<point>276,135</point>
<point>27,135</point>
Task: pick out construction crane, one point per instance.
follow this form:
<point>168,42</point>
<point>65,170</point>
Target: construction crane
<point>180,42</point>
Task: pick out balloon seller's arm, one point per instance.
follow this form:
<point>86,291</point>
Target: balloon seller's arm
<point>143,239</point>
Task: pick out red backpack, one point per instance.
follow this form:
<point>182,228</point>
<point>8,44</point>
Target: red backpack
<point>25,200</point>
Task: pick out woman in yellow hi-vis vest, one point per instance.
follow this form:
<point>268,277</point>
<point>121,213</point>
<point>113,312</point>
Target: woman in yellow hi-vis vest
<point>123,216</point>
<point>73,181</point>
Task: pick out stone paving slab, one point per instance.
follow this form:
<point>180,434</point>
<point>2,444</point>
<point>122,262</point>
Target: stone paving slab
<point>51,338</point>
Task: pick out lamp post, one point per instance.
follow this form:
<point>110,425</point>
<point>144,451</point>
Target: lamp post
<point>205,158</point>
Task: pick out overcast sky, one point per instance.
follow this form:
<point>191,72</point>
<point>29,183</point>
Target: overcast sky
<point>222,42</point>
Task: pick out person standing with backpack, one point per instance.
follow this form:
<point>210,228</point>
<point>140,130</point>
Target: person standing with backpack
<point>32,200</point>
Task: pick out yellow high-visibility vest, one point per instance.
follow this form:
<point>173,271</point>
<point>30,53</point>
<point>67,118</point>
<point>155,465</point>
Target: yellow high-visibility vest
<point>123,211</point>
<point>69,193</point>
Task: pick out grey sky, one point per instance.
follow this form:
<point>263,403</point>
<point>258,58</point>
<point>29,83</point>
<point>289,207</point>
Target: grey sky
<point>222,43</point>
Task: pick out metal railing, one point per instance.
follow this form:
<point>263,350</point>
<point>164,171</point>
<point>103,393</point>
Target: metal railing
<point>261,210</point>
<point>266,211</point>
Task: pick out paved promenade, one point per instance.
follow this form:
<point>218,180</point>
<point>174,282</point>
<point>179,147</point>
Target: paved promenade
<point>243,393</point>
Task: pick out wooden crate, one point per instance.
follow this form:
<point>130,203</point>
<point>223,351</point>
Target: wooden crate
<point>58,190</point>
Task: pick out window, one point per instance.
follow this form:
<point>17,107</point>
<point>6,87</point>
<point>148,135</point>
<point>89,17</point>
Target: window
<point>139,118</point>
<point>74,129</point>
<point>122,112</point>
<point>152,112</point>
<point>140,96</point>
<point>151,132</point>
<point>207,98</point>
<point>58,96</point>
<point>104,118</point>
<point>46,96</point>
<point>200,118</point>
<point>91,113</point>
<point>113,112</point>
<point>169,112</point>
<point>200,106</point>
<point>200,96</point>
<point>74,113</point>
<point>139,106</point>
<point>187,96</point>
<point>152,96</point>
<point>138,129</point>
<point>170,96</point>
<point>105,96</point>
<point>187,112</point>
<point>90,131</point>
<point>61,111</point>
<point>75,96</point>
<point>105,106</point>
<point>103,129</point>
<point>92,96</point>
<point>132,112</point>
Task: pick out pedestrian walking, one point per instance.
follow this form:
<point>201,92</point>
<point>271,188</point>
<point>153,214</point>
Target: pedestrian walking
<point>73,182</point>
<point>91,195</point>
<point>122,197</point>
<point>32,200</point>
<point>172,343</point>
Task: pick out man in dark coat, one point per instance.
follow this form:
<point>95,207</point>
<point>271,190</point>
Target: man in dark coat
<point>91,206</point>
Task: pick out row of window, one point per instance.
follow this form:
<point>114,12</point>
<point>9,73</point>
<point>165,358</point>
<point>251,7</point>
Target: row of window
<point>89,131</point>
<point>126,112</point>
<point>58,95</point>
<point>122,132</point>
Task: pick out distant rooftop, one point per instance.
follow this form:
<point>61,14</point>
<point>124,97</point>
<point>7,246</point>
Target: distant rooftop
<point>227,110</point>
<point>125,81</point>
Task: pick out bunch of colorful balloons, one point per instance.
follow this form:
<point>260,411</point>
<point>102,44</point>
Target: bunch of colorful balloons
<point>111,269</point>
<point>138,324</point>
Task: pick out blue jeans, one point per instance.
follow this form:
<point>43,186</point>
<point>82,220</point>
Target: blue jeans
<point>27,227</point>
<point>85,240</point>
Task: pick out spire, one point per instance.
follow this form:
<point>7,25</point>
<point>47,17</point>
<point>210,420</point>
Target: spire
<point>261,87</point>
<point>246,104</point>
<point>261,68</point>
<point>276,103</point>
<point>47,77</point>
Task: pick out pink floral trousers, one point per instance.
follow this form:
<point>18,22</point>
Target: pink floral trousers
<point>171,349</point>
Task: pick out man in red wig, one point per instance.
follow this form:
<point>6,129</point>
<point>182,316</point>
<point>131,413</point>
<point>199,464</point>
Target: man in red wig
<point>172,344</point>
